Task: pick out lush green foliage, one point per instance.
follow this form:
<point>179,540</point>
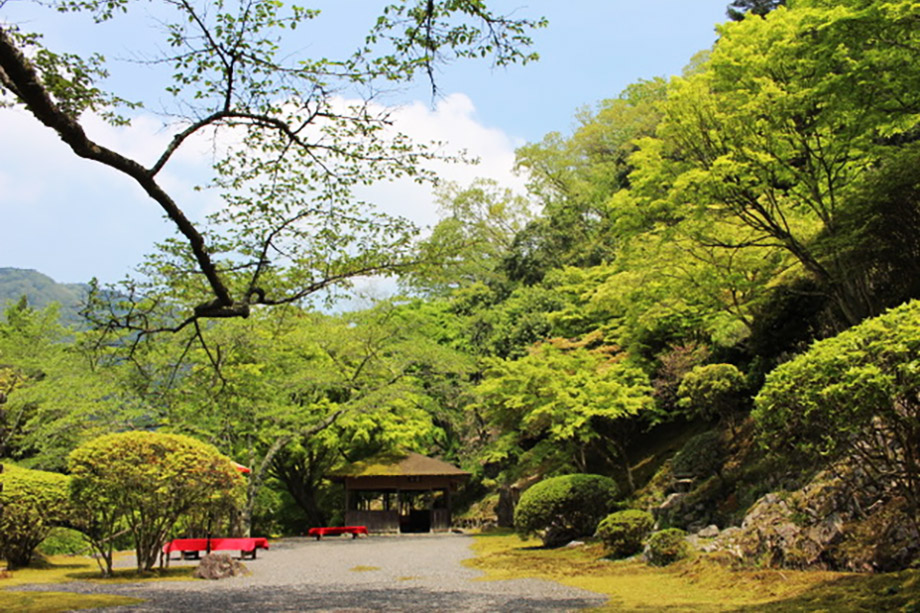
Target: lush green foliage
<point>624,532</point>
<point>563,508</point>
<point>63,541</point>
<point>55,395</point>
<point>713,390</point>
<point>559,396</point>
<point>853,395</point>
<point>33,502</point>
<point>667,546</point>
<point>700,457</point>
<point>686,232</point>
<point>145,481</point>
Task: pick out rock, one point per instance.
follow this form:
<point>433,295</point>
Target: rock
<point>219,566</point>
<point>671,501</point>
<point>575,544</point>
<point>832,523</point>
<point>709,532</point>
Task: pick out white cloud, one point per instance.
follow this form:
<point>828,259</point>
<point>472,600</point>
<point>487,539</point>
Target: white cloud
<point>452,121</point>
<point>74,219</point>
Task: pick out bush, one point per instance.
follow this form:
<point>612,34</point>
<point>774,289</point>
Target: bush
<point>63,541</point>
<point>34,501</point>
<point>667,546</point>
<point>702,456</point>
<point>146,481</point>
<point>624,531</point>
<point>713,390</point>
<point>564,508</point>
<point>852,395</point>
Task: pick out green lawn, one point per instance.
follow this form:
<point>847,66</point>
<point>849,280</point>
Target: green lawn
<point>703,583</point>
<point>63,569</point>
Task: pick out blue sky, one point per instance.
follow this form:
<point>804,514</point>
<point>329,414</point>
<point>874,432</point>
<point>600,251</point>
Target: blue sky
<point>73,220</point>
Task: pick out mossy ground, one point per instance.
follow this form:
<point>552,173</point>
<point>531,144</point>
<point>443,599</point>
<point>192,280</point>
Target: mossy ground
<point>63,569</point>
<point>699,584</point>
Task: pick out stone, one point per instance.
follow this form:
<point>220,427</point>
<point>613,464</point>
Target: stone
<point>709,532</point>
<point>671,501</point>
<point>219,566</point>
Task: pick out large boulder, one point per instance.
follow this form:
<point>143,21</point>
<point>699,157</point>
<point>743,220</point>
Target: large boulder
<point>219,566</point>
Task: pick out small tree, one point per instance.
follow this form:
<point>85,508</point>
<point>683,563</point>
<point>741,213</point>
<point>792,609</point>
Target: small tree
<point>33,501</point>
<point>145,481</point>
<point>564,507</point>
<point>713,390</point>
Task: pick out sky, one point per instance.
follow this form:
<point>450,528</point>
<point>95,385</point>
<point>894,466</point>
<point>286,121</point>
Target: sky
<point>73,220</point>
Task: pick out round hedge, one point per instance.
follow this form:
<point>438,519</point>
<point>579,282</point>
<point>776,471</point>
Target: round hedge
<point>564,508</point>
<point>667,546</point>
<point>34,501</point>
<point>624,531</point>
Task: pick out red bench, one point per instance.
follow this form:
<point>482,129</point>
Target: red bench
<point>246,546</point>
<point>354,531</point>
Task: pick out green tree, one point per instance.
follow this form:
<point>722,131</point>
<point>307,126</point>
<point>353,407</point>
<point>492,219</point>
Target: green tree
<point>148,481</point>
<point>400,385</point>
<point>778,132</point>
<point>560,401</point>
<point>56,396</point>
<point>287,180</point>
<point>33,502</point>
<point>713,390</point>
<point>574,177</point>
<point>472,240</point>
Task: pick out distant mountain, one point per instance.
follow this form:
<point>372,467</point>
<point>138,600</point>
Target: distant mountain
<point>41,291</point>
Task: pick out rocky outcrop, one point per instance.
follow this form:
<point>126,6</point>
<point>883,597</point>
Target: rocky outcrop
<point>832,523</point>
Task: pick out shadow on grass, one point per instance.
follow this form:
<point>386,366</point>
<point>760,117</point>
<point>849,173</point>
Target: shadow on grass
<point>883,592</point>
<point>132,575</point>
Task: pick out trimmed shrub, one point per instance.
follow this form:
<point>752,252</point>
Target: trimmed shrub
<point>34,501</point>
<point>564,508</point>
<point>623,532</point>
<point>666,546</point>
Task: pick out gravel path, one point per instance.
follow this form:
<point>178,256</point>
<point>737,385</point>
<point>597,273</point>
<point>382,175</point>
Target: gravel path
<point>380,573</point>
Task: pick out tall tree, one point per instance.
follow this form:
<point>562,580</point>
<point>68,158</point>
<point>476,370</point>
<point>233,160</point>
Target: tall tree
<point>472,240</point>
<point>778,133</point>
<point>739,8</point>
<point>295,149</point>
<point>559,403</point>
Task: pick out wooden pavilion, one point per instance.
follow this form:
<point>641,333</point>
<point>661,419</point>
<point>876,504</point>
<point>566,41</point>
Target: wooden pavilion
<point>399,492</point>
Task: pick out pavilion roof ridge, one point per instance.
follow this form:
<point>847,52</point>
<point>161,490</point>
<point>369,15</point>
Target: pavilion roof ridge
<point>399,463</point>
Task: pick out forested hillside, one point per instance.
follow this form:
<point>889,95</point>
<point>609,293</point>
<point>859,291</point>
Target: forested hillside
<point>41,290</point>
<point>705,295</point>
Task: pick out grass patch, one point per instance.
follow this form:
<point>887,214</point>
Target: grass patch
<point>363,569</point>
<point>54,602</point>
<point>64,569</point>
<point>699,584</point>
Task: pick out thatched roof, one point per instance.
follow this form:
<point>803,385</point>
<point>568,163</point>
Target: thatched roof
<point>405,464</point>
